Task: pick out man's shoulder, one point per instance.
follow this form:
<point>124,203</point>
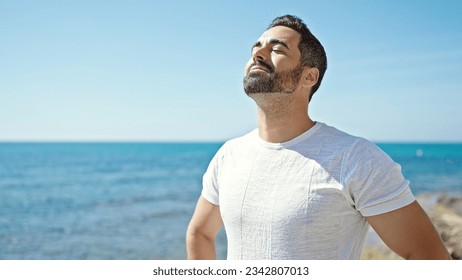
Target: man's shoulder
<point>330,135</point>
<point>355,147</point>
<point>333,140</point>
<point>334,132</point>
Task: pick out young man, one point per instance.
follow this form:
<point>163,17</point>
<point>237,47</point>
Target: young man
<point>299,189</point>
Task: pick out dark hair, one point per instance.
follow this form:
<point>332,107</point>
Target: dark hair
<point>312,52</point>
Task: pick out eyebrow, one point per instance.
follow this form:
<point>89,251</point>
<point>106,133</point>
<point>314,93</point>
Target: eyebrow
<point>272,42</point>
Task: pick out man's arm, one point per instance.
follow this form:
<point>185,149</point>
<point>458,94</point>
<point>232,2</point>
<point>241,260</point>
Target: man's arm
<point>409,232</point>
<point>203,228</point>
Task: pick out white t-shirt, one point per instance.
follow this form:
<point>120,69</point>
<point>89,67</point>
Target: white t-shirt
<point>302,199</point>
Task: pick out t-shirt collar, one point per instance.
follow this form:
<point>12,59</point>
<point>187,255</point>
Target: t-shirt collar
<point>284,145</point>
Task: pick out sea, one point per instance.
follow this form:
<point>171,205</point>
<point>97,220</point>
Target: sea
<point>132,201</point>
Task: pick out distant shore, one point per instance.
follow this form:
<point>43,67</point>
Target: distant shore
<point>444,210</point>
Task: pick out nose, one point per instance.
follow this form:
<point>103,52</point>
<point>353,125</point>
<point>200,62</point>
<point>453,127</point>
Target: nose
<point>260,53</point>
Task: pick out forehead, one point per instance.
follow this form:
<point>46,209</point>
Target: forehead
<point>283,33</point>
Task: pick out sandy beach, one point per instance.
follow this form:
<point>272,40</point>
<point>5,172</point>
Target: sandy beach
<point>444,210</point>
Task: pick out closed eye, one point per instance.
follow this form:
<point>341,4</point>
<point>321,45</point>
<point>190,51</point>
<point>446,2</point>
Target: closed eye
<point>278,46</point>
<point>278,50</point>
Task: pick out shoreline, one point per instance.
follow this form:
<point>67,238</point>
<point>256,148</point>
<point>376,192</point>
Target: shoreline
<point>444,210</point>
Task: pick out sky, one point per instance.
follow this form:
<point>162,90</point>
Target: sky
<point>172,70</point>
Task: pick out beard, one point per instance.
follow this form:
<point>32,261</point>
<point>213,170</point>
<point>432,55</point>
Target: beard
<point>272,82</point>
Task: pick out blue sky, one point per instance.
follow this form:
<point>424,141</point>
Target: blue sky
<point>172,70</point>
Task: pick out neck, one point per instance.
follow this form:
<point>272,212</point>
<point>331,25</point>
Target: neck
<point>281,117</point>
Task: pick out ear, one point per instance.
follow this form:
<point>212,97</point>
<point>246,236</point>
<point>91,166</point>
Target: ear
<point>310,76</point>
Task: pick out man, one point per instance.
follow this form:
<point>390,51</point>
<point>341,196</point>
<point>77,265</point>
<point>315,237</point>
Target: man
<point>299,189</point>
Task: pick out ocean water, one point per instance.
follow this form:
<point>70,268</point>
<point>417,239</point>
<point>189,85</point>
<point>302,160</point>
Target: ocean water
<point>134,200</point>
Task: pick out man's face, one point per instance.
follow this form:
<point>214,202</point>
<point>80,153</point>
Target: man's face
<point>274,65</point>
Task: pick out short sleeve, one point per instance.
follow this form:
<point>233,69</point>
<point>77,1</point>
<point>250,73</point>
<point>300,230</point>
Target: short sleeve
<point>210,188</point>
<point>374,181</point>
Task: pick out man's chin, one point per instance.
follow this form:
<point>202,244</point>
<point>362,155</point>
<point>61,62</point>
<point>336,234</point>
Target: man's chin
<point>254,84</point>
<point>250,92</point>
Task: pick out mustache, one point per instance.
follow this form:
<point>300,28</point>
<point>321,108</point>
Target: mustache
<point>262,64</point>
